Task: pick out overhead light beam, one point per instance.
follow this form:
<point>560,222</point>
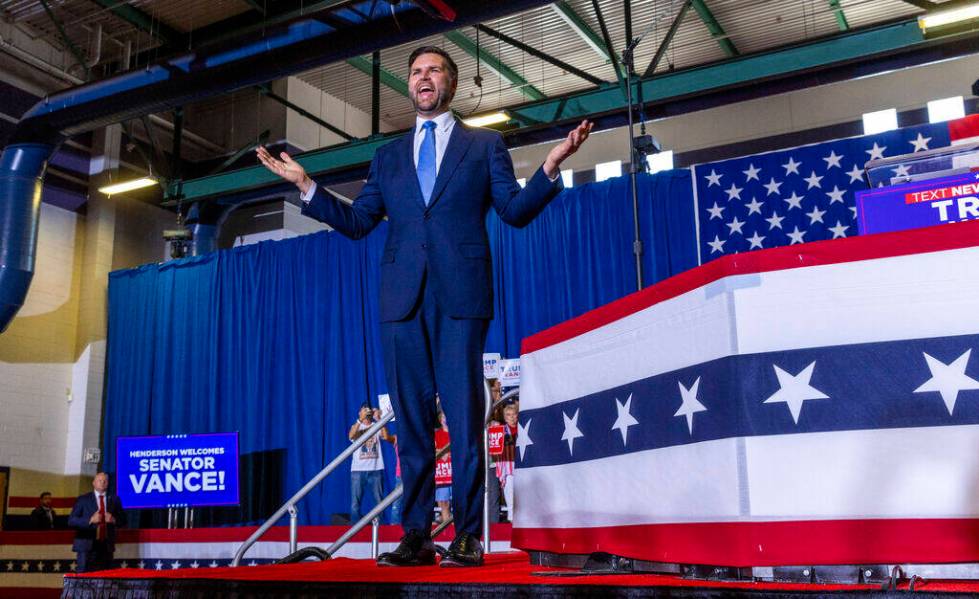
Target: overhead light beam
<point>484,120</point>
<point>125,186</point>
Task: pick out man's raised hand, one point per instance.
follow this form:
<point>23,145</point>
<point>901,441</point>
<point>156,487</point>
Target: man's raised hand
<point>287,168</point>
<point>567,147</point>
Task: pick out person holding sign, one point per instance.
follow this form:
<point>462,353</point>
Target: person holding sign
<point>435,185</point>
<point>95,518</point>
<point>504,465</point>
<point>367,468</point>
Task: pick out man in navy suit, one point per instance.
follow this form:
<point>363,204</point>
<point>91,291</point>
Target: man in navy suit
<point>435,185</point>
<point>95,518</point>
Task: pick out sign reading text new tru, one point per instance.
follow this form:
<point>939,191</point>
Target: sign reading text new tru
<point>937,201</point>
<point>178,470</point>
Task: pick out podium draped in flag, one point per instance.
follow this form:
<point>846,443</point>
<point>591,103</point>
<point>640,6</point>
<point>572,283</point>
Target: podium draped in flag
<point>813,404</point>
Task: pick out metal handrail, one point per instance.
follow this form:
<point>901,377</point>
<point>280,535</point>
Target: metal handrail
<point>371,516</point>
<point>290,506</point>
<point>390,498</point>
<point>368,517</point>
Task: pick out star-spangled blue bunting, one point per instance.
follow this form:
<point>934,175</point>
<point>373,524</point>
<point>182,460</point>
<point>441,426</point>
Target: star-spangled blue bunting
<point>67,566</point>
<point>894,384</point>
<point>798,195</point>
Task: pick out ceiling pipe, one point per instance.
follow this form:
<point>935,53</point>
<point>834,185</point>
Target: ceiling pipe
<point>21,177</point>
<point>209,71</point>
<point>97,47</point>
<point>67,77</point>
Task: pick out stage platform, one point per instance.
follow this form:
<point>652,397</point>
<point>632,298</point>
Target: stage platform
<point>33,563</point>
<point>506,574</point>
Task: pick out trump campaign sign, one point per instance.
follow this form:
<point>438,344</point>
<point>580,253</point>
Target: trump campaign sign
<point>178,470</point>
<point>496,434</point>
<point>919,204</point>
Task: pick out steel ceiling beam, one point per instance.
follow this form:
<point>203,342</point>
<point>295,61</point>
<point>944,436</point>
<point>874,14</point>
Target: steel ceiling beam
<point>266,91</point>
<point>607,41</point>
<point>276,13</point>
<point>494,64</point>
<point>581,28</point>
<point>541,55</point>
<point>729,74</point>
<point>840,15</point>
<point>667,39</point>
<point>75,51</point>
<point>923,4</point>
<point>214,70</point>
<point>740,73</point>
<point>142,21</point>
<point>716,31</point>
<point>263,138</point>
<point>366,66</point>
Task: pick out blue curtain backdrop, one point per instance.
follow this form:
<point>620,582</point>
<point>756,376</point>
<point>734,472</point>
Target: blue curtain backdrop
<point>280,340</point>
<point>577,255</point>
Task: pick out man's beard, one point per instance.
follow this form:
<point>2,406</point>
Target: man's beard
<point>442,100</point>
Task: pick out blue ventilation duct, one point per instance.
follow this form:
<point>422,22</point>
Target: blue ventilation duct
<point>208,71</point>
<point>21,175</point>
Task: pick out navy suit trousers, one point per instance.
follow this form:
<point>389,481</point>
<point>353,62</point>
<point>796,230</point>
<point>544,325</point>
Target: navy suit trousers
<point>431,352</point>
<point>99,557</point>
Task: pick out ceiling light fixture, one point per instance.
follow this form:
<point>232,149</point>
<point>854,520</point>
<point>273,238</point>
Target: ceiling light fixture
<point>484,120</point>
<point>941,18</point>
<point>128,185</point>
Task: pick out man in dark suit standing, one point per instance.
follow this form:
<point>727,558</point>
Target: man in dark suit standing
<point>42,518</point>
<point>95,518</point>
<point>436,185</point>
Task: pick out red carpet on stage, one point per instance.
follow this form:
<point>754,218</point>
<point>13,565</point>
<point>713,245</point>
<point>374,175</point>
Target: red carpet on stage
<point>503,574</point>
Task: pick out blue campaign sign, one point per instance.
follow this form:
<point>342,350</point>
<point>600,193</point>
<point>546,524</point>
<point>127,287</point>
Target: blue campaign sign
<point>177,470</point>
<point>919,204</point>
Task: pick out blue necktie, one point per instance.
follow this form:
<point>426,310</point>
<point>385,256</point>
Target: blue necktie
<point>426,161</point>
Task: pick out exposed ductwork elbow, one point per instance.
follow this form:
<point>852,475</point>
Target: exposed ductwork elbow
<point>21,175</point>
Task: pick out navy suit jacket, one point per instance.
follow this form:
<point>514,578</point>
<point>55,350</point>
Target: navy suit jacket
<point>85,532</point>
<point>447,239</point>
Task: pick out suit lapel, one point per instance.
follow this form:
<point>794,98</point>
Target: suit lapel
<point>408,163</point>
<point>459,142</point>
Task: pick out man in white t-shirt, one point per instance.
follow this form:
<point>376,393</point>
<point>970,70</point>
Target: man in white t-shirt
<point>367,468</point>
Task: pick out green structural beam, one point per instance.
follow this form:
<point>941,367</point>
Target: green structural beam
<point>142,21</point>
<point>494,64</point>
<point>607,40</point>
<point>388,78</point>
<point>839,14</point>
<point>667,39</point>
<point>586,33</point>
<point>714,27</point>
<point>843,48</point>
<point>739,72</point>
<point>320,161</point>
<point>542,55</point>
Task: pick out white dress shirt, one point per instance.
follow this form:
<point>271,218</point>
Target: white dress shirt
<point>444,123</point>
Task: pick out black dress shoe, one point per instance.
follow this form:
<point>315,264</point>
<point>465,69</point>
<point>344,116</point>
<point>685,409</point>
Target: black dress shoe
<point>415,549</point>
<point>465,551</point>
